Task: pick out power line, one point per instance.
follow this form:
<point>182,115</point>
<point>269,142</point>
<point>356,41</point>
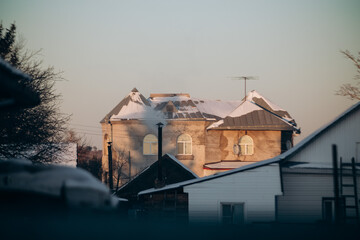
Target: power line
<point>88,133</point>
<point>75,124</point>
<point>86,130</point>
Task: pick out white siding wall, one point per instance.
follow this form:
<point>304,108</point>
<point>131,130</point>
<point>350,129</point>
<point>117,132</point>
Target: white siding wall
<point>345,134</point>
<point>303,193</point>
<point>302,199</point>
<point>255,188</point>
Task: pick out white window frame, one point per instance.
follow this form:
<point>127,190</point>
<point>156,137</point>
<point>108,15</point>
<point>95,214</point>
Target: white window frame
<point>246,146</point>
<point>145,141</point>
<point>185,143</point>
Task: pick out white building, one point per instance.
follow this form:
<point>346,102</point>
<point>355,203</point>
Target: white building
<point>292,187</point>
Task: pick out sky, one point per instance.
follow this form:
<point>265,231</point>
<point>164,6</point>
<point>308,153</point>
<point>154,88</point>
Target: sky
<point>106,48</point>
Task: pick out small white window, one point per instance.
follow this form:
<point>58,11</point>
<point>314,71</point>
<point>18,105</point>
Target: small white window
<point>246,144</point>
<point>184,145</point>
<point>232,213</point>
<point>150,145</point>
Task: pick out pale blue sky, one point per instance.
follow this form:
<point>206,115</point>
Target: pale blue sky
<point>106,48</point>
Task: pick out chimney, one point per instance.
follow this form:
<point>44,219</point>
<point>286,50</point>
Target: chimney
<point>159,182</point>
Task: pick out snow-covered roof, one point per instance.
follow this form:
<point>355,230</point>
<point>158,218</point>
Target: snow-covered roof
<point>312,165</point>
<point>282,157</point>
<point>134,106</point>
<point>257,113</point>
<point>176,106</point>
<point>264,115</point>
<point>226,165</point>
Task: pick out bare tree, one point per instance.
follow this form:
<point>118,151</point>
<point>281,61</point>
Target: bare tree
<point>352,91</point>
<point>33,133</point>
<point>119,166</point>
<point>89,158</point>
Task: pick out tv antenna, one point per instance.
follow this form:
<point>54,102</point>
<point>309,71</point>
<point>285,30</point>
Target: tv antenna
<point>245,78</point>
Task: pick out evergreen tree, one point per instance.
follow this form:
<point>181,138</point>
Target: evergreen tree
<point>32,133</point>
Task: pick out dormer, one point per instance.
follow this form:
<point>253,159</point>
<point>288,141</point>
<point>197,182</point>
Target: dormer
<point>169,109</point>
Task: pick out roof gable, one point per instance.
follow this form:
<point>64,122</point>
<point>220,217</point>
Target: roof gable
<point>174,171</point>
<point>257,113</point>
<point>133,106</point>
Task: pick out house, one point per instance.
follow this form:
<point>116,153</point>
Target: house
<point>173,171</point>
<point>243,195</point>
<point>307,171</point>
<point>294,187</point>
<point>207,136</point>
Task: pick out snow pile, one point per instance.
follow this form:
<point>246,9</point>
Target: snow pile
<point>77,186</point>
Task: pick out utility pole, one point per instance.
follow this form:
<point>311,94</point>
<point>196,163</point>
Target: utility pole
<point>337,204</point>
<point>160,125</point>
<point>159,181</point>
<point>110,157</point>
<point>129,167</point>
<point>245,78</point>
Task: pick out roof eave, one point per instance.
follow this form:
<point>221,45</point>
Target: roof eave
<point>256,128</point>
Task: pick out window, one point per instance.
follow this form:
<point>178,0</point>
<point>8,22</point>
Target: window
<point>232,213</point>
<point>246,144</point>
<point>150,145</point>
<point>328,210</point>
<point>184,145</point>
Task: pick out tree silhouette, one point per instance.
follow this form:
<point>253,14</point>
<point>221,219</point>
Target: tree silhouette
<point>32,133</point>
<point>352,91</point>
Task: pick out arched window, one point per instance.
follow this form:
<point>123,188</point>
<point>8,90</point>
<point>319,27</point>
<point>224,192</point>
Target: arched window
<point>150,145</point>
<point>184,145</point>
<point>246,144</point>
